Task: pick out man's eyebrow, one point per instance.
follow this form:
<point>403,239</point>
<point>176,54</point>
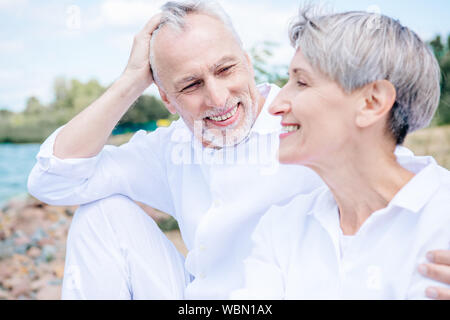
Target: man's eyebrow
<point>223,61</point>
<point>214,67</point>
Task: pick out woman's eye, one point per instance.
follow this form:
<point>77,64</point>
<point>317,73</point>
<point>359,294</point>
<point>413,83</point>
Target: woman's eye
<point>301,84</point>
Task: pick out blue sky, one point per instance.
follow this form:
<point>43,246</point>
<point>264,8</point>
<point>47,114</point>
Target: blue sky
<point>40,40</point>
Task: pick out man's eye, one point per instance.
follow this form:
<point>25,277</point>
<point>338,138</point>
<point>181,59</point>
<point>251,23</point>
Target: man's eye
<point>191,86</point>
<point>301,84</point>
<point>225,69</point>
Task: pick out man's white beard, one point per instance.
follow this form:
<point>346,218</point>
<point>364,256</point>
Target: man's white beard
<point>235,133</point>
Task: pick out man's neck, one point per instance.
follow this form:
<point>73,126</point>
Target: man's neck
<point>261,102</point>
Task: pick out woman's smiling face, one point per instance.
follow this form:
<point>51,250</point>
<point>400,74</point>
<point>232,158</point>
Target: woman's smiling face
<point>318,116</point>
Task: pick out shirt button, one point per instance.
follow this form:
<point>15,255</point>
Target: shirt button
<point>202,275</point>
<point>202,247</point>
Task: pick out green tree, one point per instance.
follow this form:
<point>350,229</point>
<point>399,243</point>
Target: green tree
<point>438,47</point>
<point>38,121</point>
<point>442,54</point>
<point>264,72</point>
<point>146,108</point>
<point>73,96</point>
<point>5,114</point>
<point>33,106</point>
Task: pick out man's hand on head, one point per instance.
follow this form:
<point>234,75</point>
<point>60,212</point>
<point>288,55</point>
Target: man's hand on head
<point>439,270</point>
<point>138,68</point>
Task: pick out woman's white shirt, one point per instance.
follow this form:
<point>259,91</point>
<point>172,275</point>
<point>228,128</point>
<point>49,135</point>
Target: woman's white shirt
<point>300,252</point>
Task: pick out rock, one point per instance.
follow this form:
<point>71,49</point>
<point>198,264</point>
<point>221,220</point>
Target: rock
<point>48,252</point>
<point>18,285</point>
<point>58,269</point>
<point>46,241</point>
<point>21,288</point>
<point>34,252</point>
<point>38,235</point>
<point>41,282</point>
<point>6,270</point>
<point>69,212</point>
<point>14,206</point>
<point>49,293</point>
<point>22,249</point>
<point>21,240</point>
<point>6,248</point>
<point>4,294</point>
<point>2,233</point>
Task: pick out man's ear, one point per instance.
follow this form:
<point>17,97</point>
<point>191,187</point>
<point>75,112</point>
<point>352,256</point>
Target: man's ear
<point>166,101</point>
<point>250,64</point>
<point>247,57</point>
<point>377,100</point>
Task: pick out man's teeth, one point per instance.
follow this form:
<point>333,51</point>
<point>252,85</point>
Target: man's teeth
<point>225,116</point>
<point>290,128</point>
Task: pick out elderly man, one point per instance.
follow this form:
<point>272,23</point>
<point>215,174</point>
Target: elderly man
<point>214,170</point>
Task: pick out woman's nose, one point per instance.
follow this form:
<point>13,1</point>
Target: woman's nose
<point>279,106</point>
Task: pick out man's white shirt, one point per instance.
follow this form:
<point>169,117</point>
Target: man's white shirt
<point>300,251</point>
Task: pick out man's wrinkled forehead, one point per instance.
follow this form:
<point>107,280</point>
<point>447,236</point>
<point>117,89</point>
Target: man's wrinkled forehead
<point>204,42</point>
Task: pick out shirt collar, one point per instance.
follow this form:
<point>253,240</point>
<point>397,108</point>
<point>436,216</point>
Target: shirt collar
<point>412,197</point>
<point>267,123</point>
<point>420,189</point>
<point>324,203</point>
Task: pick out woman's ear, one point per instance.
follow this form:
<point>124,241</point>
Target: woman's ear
<point>166,101</point>
<point>378,99</point>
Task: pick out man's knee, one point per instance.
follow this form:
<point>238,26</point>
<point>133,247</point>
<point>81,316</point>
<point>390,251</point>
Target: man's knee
<point>115,204</point>
<point>121,215</point>
<point>115,209</point>
<point>116,231</point>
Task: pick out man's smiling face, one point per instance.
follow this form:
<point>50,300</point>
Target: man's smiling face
<point>207,79</point>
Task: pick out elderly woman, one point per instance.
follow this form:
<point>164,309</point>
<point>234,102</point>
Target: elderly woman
<point>358,83</point>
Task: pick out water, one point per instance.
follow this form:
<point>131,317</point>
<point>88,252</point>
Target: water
<point>16,162</point>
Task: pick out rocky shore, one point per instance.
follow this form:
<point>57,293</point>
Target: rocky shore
<point>32,247</point>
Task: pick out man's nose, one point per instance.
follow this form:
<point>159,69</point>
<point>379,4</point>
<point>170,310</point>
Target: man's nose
<point>216,94</point>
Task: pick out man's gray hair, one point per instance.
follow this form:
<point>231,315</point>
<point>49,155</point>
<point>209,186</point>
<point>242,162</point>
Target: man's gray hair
<point>174,14</point>
<point>357,48</point>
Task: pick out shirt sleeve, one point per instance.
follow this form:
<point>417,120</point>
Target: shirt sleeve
<point>263,275</point>
<point>134,169</point>
<point>419,283</point>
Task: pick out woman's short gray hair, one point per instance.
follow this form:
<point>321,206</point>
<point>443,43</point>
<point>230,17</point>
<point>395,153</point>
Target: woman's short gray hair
<point>174,14</point>
<point>357,48</point>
